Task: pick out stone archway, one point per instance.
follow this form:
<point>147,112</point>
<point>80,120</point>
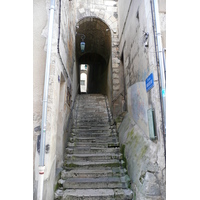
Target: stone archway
<point>97,54</point>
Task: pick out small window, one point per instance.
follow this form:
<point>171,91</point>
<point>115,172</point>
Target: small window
<point>82,82</point>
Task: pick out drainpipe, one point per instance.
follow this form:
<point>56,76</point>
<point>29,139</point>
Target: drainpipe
<point>41,166</point>
<point>160,56</point>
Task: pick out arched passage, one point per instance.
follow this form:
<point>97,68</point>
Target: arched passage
<point>97,54</point>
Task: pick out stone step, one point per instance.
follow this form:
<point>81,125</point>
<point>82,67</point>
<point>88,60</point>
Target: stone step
<point>92,120</point>
<point>92,105</point>
<point>92,99</point>
<point>92,157</point>
<point>89,102</point>
<point>89,127</point>
<point>93,129</point>
<point>95,194</point>
<point>91,139</point>
<point>89,108</point>
<point>91,164</point>
<point>92,150</point>
<point>93,183</point>
<point>89,124</point>
<point>92,112</point>
<point>92,173</point>
<point>88,194</point>
<point>94,144</point>
<point>94,134</point>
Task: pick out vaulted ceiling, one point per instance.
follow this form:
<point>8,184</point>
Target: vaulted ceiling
<point>97,37</point>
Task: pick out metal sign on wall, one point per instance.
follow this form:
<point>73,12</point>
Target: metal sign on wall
<point>149,82</point>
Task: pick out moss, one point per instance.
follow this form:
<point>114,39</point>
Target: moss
<point>56,187</point>
<point>111,165</point>
<point>71,165</point>
<point>118,120</point>
<point>143,151</point>
<point>130,137</point>
<point>134,197</point>
<point>122,149</point>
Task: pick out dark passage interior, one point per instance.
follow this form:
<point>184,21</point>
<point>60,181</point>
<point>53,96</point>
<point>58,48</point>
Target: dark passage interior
<point>97,54</point>
<point>97,73</point>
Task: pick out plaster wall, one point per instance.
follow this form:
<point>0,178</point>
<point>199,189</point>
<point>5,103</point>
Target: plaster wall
<point>61,78</point>
<point>39,60</point>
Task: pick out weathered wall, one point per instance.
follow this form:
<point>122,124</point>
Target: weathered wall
<point>39,58</point>
<point>106,10</point>
<point>146,162</point>
<point>60,86</point>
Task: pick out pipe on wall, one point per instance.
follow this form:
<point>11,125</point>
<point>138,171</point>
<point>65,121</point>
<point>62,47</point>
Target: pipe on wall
<point>44,108</point>
<point>161,63</point>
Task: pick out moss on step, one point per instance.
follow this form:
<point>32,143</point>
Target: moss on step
<point>72,165</point>
<point>122,150</point>
<point>134,197</point>
<point>56,186</point>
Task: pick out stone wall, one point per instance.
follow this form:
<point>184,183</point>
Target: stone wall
<point>107,11</point>
<point>145,158</point>
<point>146,165</point>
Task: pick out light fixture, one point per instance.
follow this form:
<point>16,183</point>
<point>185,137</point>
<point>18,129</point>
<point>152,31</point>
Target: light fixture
<point>82,44</point>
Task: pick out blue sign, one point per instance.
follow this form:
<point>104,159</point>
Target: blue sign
<point>149,82</point>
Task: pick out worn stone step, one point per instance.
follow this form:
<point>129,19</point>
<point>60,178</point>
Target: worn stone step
<point>92,173</point>
<point>92,109</point>
<point>94,134</point>
<point>93,183</point>
<point>95,194</point>
<point>92,104</point>
<point>92,139</point>
<point>92,150</point>
<point>92,129</point>
<point>95,172</point>
<point>92,120</point>
<point>91,126</point>
<point>95,108</point>
<point>88,164</point>
<point>93,112</point>
<point>92,157</point>
<point>94,144</point>
<point>88,194</point>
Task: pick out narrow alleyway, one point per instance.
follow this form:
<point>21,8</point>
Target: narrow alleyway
<point>93,165</point>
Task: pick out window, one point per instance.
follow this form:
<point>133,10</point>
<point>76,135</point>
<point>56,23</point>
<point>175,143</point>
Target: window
<point>82,82</point>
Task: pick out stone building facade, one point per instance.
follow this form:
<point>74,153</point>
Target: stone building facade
<point>120,62</point>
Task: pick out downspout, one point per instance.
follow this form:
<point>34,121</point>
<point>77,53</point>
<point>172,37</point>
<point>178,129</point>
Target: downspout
<point>161,64</point>
<point>41,166</point>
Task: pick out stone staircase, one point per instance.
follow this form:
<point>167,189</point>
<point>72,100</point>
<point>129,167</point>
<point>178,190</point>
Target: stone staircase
<point>93,165</point>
